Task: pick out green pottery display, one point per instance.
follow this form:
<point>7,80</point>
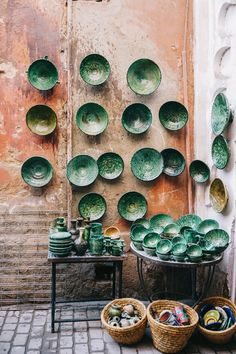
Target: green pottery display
<point>144,76</point>
<point>36,171</point>
<point>220,152</point>
<point>132,205</point>
<point>151,240</point>
<point>220,115</point>
<point>218,238</point>
<point>173,115</point>
<point>161,220</point>
<point>96,245</point>
<point>199,171</point>
<point>91,118</point>
<point>94,69</point>
<point>218,195</point>
<point>147,164</point>
<point>174,162</point>
<point>207,225</point>
<point>171,230</point>
<point>41,120</point>
<point>42,74</point>
<point>138,233</point>
<point>110,165</point>
<point>137,118</point>
<point>143,222</point>
<point>82,170</point>
<point>92,205</point>
<point>189,220</point>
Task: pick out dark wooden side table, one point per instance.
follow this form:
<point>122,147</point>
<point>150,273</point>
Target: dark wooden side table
<point>117,263</point>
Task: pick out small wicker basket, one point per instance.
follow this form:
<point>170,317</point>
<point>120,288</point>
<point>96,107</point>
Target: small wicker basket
<point>218,337</point>
<point>166,338</point>
<point>126,335</point>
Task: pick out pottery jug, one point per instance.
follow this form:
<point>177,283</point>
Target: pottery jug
<point>96,245</point>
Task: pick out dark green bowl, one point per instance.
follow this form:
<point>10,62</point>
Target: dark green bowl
<point>161,220</point>
<point>171,230</point>
<point>144,76</point>
<point>217,237</point>
<point>199,171</point>
<point>82,170</point>
<point>147,164</point>
<point>220,152</point>
<point>173,115</point>
<point>174,162</point>
<point>93,206</point>
<point>138,233</point>
<point>220,115</point>
<point>151,240</point>
<point>137,118</point>
<point>194,251</point>
<point>157,229</point>
<point>132,206</point>
<point>138,245</point>
<point>42,74</point>
<point>149,251</point>
<point>189,221</point>
<point>110,165</point>
<point>41,120</point>
<point>179,248</point>
<point>91,118</point>
<point>218,195</point>
<point>94,69</point>
<point>207,225</point>
<point>36,171</point>
<point>164,246</point>
<point>143,222</point>
<point>178,239</point>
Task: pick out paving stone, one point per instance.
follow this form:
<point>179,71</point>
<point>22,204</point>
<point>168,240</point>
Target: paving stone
<point>23,328</point>
<point>129,350</point>
<point>39,321</point>
<point>13,313</point>
<point>11,319</point>
<point>223,352</point>
<point>81,349</point>
<point>66,351</point>
<point>35,343</point>
<point>9,326</point>
<point>81,337</point>
<point>95,333</point>
<point>53,344</point>
<point>3,313</point>
<point>80,326</point>
<point>80,314</point>
<point>97,345</point>
<point>107,338</point>
<point>1,320</point>
<point>206,350</point>
<point>17,350</point>
<point>25,318</point>
<point>66,342</point>
<point>94,324</point>
<point>33,352</point>
<point>6,336</point>
<point>20,339</point>
<point>4,348</point>
<point>37,331</point>
<point>192,348</point>
<point>112,348</point>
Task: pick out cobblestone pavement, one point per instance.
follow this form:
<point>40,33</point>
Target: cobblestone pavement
<point>27,330</point>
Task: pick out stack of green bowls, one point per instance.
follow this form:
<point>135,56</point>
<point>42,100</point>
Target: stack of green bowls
<point>60,244</point>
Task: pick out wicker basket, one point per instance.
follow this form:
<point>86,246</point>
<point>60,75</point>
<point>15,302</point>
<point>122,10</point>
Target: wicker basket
<point>126,335</point>
<point>166,338</point>
<point>218,337</point>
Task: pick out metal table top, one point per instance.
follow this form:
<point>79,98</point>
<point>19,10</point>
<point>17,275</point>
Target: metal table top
<point>87,258</point>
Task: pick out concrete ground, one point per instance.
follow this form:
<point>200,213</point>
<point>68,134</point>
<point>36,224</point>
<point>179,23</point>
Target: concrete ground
<point>25,329</point>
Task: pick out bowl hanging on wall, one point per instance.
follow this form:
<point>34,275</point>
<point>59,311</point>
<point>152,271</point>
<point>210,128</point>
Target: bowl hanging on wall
<point>92,205</point>
<point>220,152</point>
<point>132,206</point>
<point>221,115</point>
<point>137,118</point>
<point>92,119</point>
<point>36,171</point>
<point>199,171</point>
<point>82,170</point>
<point>144,76</point>
<point>173,115</point>
<point>147,164</point>
<point>41,120</point>
<point>42,74</point>
<point>218,195</point>
<point>174,162</point>
<point>94,69</point>
<point>110,165</point>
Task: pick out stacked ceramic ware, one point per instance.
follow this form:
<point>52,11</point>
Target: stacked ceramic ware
<point>60,244</point>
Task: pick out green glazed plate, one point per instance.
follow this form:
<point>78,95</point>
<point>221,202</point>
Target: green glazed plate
<point>207,225</point>
<point>194,251</point>
<point>92,206</point>
<point>41,120</point>
<point>220,152</point>
<point>220,114</point>
<point>171,230</point>
<point>218,238</point>
<point>138,233</point>
<point>199,171</point>
<point>144,76</point>
<point>143,222</point>
<point>36,171</point>
<point>189,220</point>
<point>110,165</point>
<point>132,206</point>
<point>60,236</point>
<point>92,119</point>
<point>161,220</point>
<point>218,195</point>
<point>42,74</point>
<point>94,69</point>
<point>82,170</point>
<point>179,248</point>
<point>173,115</point>
<point>174,162</point>
<point>147,164</point>
<point>137,118</point>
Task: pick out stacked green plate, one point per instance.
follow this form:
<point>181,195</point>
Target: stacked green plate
<point>189,221</point>
<point>42,74</point>
<point>161,220</point>
<point>60,244</point>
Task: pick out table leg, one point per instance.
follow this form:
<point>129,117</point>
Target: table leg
<point>141,278</point>
<point>194,283</point>
<point>53,296</point>
<point>120,267</point>
<point>114,281</point>
<point>207,284</point>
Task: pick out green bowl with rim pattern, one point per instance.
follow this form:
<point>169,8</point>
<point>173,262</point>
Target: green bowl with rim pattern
<point>95,69</point>
<point>220,152</point>
<point>199,171</point>
<point>174,162</point>
<point>217,238</point>
<point>42,74</point>
<point>147,164</point>
<point>207,225</point>
<point>92,118</point>
<point>218,195</point>
<point>138,233</point>
<point>173,115</point>
<point>171,230</point>
<point>178,239</point>
<point>82,170</point>
<point>41,120</point>
<point>221,115</point>
<point>144,76</point>
<point>179,248</point>
<point>142,221</point>
<point>164,247</point>
<point>157,229</point>
<point>194,252</point>
<point>189,221</point>
<point>161,220</point>
<point>110,165</point>
<point>36,171</point>
<point>151,239</point>
<point>132,206</point>
<point>137,118</point>
<point>93,206</point>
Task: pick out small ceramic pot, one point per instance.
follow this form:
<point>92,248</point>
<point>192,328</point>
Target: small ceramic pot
<point>116,250</point>
<point>129,309</point>
<point>95,228</point>
<point>115,310</point>
<point>124,322</point>
<point>96,245</point>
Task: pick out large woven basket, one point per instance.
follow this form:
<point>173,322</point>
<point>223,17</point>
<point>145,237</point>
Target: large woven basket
<point>166,338</point>
<point>126,335</point>
<point>218,337</point>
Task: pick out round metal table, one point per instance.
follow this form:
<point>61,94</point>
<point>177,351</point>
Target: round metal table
<point>207,265</point>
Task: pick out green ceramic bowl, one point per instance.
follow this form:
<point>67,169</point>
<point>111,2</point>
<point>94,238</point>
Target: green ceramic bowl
<point>157,229</point>
<point>42,74</point>
<point>179,258</point>
<point>138,245</point>
<point>92,119</point>
<point>189,221</point>
<point>218,195</point>
<point>161,220</point>
<point>93,206</point>
<point>174,162</point>
<point>179,248</point>
<point>147,164</point>
<point>94,69</point>
<point>194,251</point>
<point>207,225</point>
<point>178,239</point>
<point>207,247</point>
<point>110,165</point>
<point>218,238</point>
<point>82,170</point>
<point>173,115</point>
<point>171,230</point>
<point>199,171</point>
<point>138,233</point>
<point>220,115</point>
<point>60,236</point>
<point>137,118</point>
<point>149,251</point>
<point>220,152</point>
<point>151,240</point>
<point>132,206</point>
<point>143,222</point>
<point>144,76</point>
<point>41,120</point>
<point>164,247</point>
<point>36,171</point>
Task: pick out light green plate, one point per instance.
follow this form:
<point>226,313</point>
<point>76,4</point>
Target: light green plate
<point>92,119</point>
<point>41,120</point>
<point>174,162</point>
<point>92,206</point>
<point>110,165</point>
<point>42,74</point>
<point>94,69</point>
<point>207,225</point>
<point>147,164</point>
<point>220,152</point>
<point>82,170</point>
<point>36,171</point>
<point>220,115</point>
<point>151,240</point>
<point>161,220</point>
<point>137,118</point>
<point>218,238</point>
<point>173,115</point>
<point>199,171</point>
<point>132,206</point>
<point>218,195</point>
